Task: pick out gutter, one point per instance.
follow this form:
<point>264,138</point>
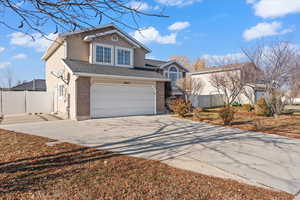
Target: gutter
<point>120,77</point>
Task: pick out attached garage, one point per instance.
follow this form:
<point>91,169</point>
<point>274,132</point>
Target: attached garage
<point>106,91</point>
<point>112,100</point>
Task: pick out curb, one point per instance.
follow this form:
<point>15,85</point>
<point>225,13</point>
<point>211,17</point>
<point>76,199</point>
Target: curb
<point>297,196</point>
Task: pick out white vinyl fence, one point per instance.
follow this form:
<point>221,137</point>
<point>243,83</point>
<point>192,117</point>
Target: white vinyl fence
<point>17,102</point>
<point>207,101</point>
<point>296,101</point>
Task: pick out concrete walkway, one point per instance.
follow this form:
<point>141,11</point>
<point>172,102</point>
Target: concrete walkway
<point>28,118</point>
<point>254,158</point>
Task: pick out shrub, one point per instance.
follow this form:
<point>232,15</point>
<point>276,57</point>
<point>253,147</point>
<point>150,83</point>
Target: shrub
<point>180,106</point>
<point>227,115</point>
<point>258,125</point>
<point>236,104</point>
<point>198,112</point>
<point>262,108</point>
<point>248,107</point>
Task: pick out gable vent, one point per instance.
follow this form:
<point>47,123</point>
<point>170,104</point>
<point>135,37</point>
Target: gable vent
<point>114,38</point>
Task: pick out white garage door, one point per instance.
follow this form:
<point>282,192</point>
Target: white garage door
<point>121,100</point>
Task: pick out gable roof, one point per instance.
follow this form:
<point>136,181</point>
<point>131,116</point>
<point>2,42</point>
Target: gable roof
<point>34,85</point>
<point>91,37</point>
<point>162,64</point>
<point>82,68</point>
<point>62,36</point>
<point>173,62</point>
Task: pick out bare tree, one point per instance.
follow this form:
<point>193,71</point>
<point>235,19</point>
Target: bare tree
<point>7,79</point>
<point>71,14</point>
<point>228,83</point>
<point>187,85</point>
<point>234,79</point>
<point>183,60</point>
<point>278,62</point>
<point>199,64</point>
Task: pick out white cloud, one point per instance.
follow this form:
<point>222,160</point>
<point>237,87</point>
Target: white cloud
<point>20,56</point>
<point>177,2</point>
<point>150,35</point>
<point>4,64</point>
<point>140,5</point>
<point>177,26</point>
<point>2,49</point>
<point>39,43</point>
<point>274,8</point>
<point>223,59</point>
<point>265,29</point>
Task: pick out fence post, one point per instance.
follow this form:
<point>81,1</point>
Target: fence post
<point>25,99</point>
<point>1,102</point>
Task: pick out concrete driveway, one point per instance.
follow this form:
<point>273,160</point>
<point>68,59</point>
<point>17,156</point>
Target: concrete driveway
<point>254,158</point>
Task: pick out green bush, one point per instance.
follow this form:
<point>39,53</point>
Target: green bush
<point>262,108</point>
<point>180,106</point>
<point>248,107</point>
<point>198,112</point>
<point>236,104</point>
<point>227,115</point>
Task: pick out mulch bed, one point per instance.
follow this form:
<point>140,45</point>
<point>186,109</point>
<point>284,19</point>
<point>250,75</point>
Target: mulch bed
<point>30,169</point>
<point>284,125</point>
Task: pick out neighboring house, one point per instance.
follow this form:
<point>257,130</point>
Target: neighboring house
<point>254,90</point>
<point>102,72</point>
<point>169,69</point>
<point>34,85</point>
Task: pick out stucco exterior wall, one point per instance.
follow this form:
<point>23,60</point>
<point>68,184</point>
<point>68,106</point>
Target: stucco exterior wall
<point>139,57</point>
<point>54,65</point>
<point>77,48</point>
<point>73,99</point>
<point>80,50</point>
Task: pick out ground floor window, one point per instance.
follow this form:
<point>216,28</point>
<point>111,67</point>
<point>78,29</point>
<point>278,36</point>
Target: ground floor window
<point>61,90</point>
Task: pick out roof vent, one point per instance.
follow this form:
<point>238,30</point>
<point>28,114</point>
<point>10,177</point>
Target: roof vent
<point>114,38</point>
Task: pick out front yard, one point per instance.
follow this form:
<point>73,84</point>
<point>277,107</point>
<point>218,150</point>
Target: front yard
<point>284,125</point>
<point>30,169</point>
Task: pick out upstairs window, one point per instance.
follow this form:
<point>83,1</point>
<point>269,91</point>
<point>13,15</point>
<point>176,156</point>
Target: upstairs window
<point>124,56</point>
<point>103,54</point>
<point>173,74</point>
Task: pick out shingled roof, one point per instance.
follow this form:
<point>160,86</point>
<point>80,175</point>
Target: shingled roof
<point>154,63</point>
<point>84,68</point>
<point>34,85</point>
<point>222,68</point>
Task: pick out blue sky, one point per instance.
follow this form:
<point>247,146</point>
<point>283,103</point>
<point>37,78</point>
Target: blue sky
<point>194,28</point>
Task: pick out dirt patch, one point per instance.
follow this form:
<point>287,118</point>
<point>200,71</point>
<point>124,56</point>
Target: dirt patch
<point>30,169</point>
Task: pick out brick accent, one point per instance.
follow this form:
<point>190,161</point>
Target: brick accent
<point>83,85</point>
<point>160,97</point>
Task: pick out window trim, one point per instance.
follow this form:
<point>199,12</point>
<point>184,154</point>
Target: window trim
<point>106,46</point>
<point>178,73</point>
<point>131,56</point>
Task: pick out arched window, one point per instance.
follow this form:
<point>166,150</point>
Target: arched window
<point>173,69</point>
<point>173,74</point>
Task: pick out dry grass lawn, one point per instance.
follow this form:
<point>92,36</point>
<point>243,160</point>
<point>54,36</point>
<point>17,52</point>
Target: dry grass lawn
<point>30,169</point>
<point>284,125</point>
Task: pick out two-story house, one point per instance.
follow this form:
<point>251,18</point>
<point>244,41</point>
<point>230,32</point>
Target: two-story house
<point>102,72</point>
